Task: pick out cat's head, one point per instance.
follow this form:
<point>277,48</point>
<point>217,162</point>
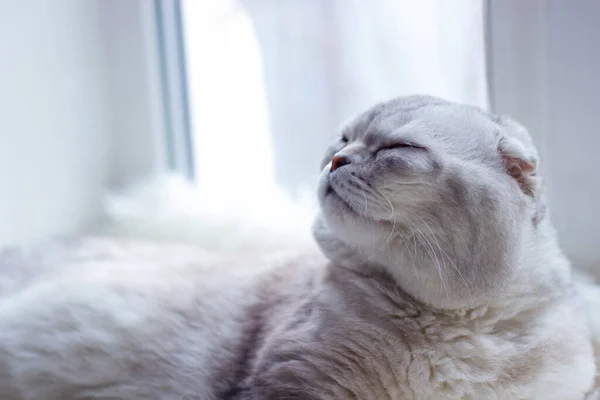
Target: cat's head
<point>444,197</point>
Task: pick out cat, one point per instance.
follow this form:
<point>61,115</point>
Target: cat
<point>440,278</point>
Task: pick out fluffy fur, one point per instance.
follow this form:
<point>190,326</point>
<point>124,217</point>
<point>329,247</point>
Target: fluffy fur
<point>444,281</point>
<point>168,208</point>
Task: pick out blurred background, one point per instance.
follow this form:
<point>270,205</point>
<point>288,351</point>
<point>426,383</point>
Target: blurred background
<point>241,97</point>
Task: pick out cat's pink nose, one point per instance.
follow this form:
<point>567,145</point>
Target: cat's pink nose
<point>338,161</point>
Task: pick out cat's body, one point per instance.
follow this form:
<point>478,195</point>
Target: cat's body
<point>444,280</point>
<point>176,323</point>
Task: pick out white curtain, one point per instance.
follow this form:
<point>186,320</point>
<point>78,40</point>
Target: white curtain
<point>272,81</point>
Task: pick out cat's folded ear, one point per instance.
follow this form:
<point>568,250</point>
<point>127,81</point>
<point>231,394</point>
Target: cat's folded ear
<point>519,156</point>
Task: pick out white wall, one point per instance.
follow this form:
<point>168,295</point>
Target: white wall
<point>53,139</point>
<point>60,124</point>
<point>545,65</point>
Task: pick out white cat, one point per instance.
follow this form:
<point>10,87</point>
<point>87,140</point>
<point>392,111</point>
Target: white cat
<point>445,281</point>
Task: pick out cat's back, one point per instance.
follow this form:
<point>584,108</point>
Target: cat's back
<point>126,320</point>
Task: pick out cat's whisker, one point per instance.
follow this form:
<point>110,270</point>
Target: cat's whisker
<point>357,186</point>
<point>367,213</point>
<point>392,213</point>
<point>366,203</point>
<point>391,233</point>
<point>362,191</point>
<point>432,254</point>
<point>444,254</point>
<point>354,187</point>
<point>384,243</point>
<point>413,254</point>
<point>392,210</point>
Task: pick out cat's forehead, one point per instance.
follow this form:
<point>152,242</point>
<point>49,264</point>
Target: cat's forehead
<point>427,119</point>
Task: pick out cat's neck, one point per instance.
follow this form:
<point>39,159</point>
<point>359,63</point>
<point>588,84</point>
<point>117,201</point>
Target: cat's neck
<point>376,288</point>
<point>537,273</point>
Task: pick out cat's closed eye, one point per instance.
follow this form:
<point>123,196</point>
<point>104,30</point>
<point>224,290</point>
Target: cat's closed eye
<point>402,145</point>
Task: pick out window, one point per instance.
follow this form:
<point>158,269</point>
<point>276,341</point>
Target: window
<point>271,81</point>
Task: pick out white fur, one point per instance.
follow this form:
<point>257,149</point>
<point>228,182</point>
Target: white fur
<point>169,208</point>
<point>115,319</point>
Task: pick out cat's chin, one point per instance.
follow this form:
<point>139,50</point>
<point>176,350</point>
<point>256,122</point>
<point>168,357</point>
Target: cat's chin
<point>346,224</point>
<point>336,203</point>
<point>334,200</point>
